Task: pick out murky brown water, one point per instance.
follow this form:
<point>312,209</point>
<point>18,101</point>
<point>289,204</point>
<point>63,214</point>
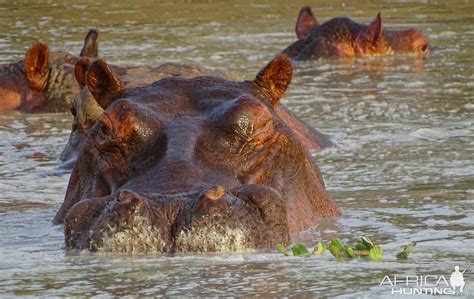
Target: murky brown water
<point>402,170</point>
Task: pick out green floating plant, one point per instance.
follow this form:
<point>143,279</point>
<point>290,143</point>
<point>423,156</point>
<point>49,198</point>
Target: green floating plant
<point>339,250</point>
<point>282,249</point>
<point>297,250</point>
<point>300,250</point>
<point>363,247</point>
<point>336,248</point>
<point>364,244</point>
<point>319,248</point>
<point>350,252</point>
<point>376,252</point>
<point>406,251</point>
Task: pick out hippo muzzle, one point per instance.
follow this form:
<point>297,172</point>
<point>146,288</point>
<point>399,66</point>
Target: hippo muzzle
<point>216,219</point>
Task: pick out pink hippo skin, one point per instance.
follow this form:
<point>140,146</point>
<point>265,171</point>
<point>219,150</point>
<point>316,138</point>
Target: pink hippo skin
<point>342,37</point>
<point>44,80</point>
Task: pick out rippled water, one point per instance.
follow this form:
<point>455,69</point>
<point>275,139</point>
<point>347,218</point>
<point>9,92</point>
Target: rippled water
<point>402,170</point>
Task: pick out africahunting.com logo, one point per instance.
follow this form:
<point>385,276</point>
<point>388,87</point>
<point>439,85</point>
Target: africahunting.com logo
<point>427,284</point>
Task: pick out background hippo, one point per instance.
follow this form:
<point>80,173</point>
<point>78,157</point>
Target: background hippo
<point>342,37</point>
<point>44,80</point>
<point>85,109</point>
<point>201,164</point>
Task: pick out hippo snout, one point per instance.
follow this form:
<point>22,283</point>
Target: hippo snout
<point>216,219</point>
<point>79,219</point>
<point>243,218</point>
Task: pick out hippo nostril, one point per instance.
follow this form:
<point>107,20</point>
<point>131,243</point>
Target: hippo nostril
<point>212,199</point>
<point>130,200</point>
<point>125,197</point>
<point>215,193</point>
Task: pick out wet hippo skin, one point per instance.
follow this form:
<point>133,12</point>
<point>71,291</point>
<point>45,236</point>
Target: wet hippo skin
<point>44,80</point>
<point>85,109</point>
<point>342,37</point>
<point>191,164</point>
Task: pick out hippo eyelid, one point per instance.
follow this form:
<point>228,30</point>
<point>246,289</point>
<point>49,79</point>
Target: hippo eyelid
<point>104,131</point>
<point>105,124</point>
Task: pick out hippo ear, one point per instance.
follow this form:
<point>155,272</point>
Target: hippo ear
<point>103,83</point>
<point>91,44</point>
<point>80,71</point>
<point>36,65</point>
<point>274,78</point>
<point>306,21</point>
<point>375,30</point>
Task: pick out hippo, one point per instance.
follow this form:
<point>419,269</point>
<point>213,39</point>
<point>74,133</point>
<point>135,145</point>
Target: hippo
<point>342,37</point>
<point>43,81</point>
<point>199,164</point>
<point>85,109</point>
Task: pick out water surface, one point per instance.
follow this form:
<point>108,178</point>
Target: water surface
<point>402,169</point>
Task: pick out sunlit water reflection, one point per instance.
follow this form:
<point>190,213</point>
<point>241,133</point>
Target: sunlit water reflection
<point>402,169</point>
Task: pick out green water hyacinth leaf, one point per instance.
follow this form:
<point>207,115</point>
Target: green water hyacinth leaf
<point>361,247</point>
<point>350,252</point>
<point>300,250</point>
<point>406,251</point>
<point>402,255</point>
<point>366,242</point>
<point>319,248</point>
<point>282,249</point>
<point>336,248</point>
<point>376,252</point>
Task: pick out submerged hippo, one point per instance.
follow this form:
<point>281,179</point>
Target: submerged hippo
<point>44,80</point>
<point>86,110</point>
<point>191,165</point>
<point>342,37</point>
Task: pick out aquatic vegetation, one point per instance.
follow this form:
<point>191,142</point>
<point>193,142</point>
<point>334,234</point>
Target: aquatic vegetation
<point>364,247</point>
<point>319,248</point>
<point>300,250</point>
<point>376,252</point>
<point>406,250</point>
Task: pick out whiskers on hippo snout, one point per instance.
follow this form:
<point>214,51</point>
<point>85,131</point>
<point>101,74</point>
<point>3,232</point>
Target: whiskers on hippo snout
<point>140,236</point>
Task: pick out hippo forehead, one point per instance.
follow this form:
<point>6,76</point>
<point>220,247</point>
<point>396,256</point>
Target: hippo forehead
<point>183,117</point>
<point>175,96</point>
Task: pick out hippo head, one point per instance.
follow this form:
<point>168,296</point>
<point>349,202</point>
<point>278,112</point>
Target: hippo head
<point>343,37</point>
<point>374,40</point>
<point>200,164</point>
<point>44,80</point>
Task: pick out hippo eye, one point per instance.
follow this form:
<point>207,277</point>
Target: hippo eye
<point>73,111</point>
<point>104,130</point>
